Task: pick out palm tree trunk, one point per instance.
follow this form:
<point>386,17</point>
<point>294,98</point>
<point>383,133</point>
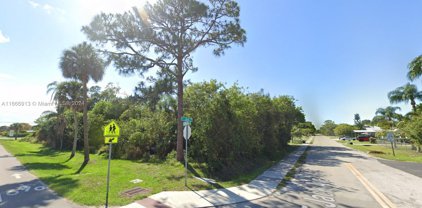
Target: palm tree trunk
<point>85,122</point>
<point>413,103</point>
<point>179,145</point>
<point>75,133</point>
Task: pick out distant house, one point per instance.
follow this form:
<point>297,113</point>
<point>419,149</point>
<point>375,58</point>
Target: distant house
<point>369,130</point>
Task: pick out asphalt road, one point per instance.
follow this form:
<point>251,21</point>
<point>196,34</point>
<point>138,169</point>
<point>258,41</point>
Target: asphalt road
<point>19,188</point>
<point>336,176</point>
<point>409,167</point>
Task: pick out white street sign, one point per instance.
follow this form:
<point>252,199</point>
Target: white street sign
<point>17,175</point>
<point>390,137</point>
<point>187,132</point>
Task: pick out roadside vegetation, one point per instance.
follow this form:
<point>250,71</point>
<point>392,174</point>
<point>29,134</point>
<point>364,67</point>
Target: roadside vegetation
<point>235,134</point>
<point>231,127</point>
<point>406,128</point>
<point>384,151</point>
<point>88,188</point>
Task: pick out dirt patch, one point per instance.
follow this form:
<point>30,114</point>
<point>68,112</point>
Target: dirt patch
<point>376,152</point>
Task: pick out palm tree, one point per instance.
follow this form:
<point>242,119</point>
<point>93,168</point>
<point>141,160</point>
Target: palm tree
<point>389,113</point>
<point>68,94</point>
<point>82,63</point>
<point>16,127</point>
<point>415,68</point>
<point>406,93</point>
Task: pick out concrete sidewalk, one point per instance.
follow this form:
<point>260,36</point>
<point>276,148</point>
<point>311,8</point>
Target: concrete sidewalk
<point>262,186</point>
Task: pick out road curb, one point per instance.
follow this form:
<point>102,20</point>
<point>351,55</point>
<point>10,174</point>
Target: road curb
<point>261,187</point>
<point>293,167</point>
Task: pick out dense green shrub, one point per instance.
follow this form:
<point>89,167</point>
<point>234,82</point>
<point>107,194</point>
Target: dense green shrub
<point>231,127</point>
<point>231,131</point>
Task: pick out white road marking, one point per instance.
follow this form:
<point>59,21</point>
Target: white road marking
<point>17,175</point>
<point>24,188</point>
<point>1,199</point>
<point>39,188</point>
<point>12,192</point>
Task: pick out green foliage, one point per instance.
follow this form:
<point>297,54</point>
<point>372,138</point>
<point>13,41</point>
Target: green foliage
<point>415,68</point>
<point>358,122</point>
<point>164,35</point>
<point>232,130</point>
<point>389,113</point>
<point>366,122</point>
<point>344,130</point>
<point>406,93</point>
<point>303,129</point>
<point>413,129</point>
<point>231,127</point>
<point>327,128</point>
<point>381,122</point>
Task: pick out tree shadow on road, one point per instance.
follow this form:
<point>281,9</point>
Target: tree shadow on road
<point>330,156</point>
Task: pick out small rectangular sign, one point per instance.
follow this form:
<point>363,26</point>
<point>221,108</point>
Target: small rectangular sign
<point>186,119</point>
<point>109,140</point>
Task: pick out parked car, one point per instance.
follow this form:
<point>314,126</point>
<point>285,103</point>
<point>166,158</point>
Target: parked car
<point>346,138</point>
<point>363,138</point>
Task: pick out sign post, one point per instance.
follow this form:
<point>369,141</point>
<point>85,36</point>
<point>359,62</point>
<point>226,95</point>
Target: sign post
<point>390,138</point>
<point>111,135</point>
<point>186,133</point>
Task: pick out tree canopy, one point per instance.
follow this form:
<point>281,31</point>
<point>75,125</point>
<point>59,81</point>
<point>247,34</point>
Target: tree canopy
<point>164,36</point>
<point>327,128</point>
<point>406,93</point>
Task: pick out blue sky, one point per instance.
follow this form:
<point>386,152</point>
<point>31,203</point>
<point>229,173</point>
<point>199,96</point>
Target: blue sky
<point>337,58</point>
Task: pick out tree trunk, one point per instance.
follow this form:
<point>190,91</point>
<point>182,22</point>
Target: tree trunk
<point>179,144</point>
<point>75,133</point>
<point>413,103</point>
<point>85,122</point>
<point>61,142</point>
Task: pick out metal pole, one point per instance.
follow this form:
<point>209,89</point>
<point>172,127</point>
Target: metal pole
<point>186,157</point>
<point>108,174</point>
<point>394,154</point>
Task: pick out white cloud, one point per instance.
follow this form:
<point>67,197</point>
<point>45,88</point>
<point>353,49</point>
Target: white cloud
<point>49,9</point>
<point>3,38</point>
<point>34,4</point>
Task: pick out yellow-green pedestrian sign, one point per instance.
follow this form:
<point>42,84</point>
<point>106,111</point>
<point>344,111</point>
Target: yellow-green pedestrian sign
<point>111,130</point>
<point>111,133</point>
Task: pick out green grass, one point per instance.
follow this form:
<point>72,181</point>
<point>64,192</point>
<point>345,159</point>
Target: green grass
<point>3,137</point>
<point>401,154</point>
<point>89,187</point>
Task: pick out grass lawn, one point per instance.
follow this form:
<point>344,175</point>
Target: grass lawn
<point>385,151</point>
<point>3,137</point>
<point>89,187</point>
